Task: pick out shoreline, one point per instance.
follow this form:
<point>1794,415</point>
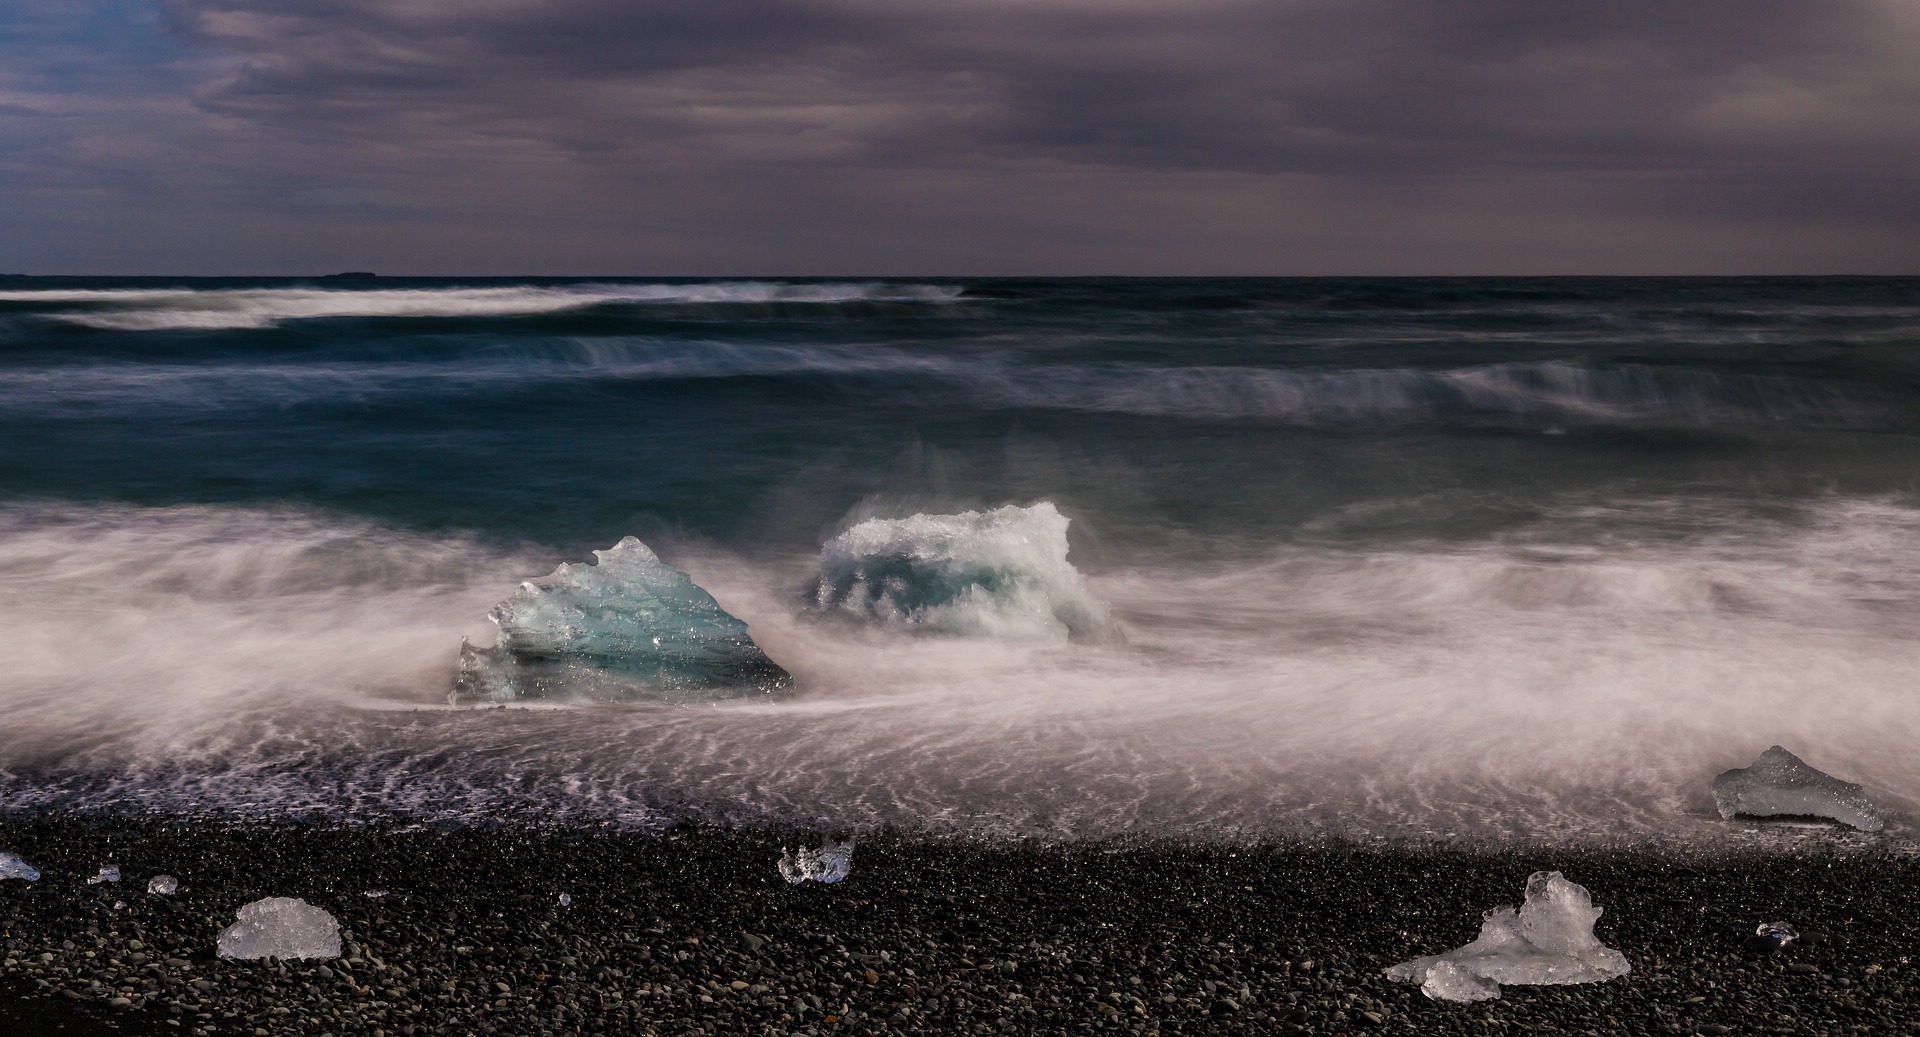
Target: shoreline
<point>693,931</point>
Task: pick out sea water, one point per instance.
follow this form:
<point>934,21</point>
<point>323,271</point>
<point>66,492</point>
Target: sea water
<point>1512,559</point>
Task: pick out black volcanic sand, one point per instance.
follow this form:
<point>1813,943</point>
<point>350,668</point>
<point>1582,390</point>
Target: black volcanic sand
<point>694,932</point>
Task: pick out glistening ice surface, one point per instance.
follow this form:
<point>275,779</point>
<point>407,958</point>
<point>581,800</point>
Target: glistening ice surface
<point>629,627</point>
<point>1401,559</point>
<point>1549,940</point>
<point>1781,784</point>
<point>280,927</point>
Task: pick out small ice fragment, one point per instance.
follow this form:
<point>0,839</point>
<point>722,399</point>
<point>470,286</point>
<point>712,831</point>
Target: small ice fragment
<point>566,900</point>
<point>281,927</point>
<point>829,864</point>
<point>374,894</point>
<point>1781,784</point>
<point>1449,982</point>
<point>107,873</point>
<point>12,867</point>
<point>119,905</point>
<point>165,885</point>
<point>1549,940</point>
<point>1769,938</point>
<point>1778,930</point>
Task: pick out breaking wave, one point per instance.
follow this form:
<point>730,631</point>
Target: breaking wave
<point>1549,394</point>
<point>182,309</point>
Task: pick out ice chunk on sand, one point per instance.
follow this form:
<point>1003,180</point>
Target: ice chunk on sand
<point>1549,940</point>
<point>281,927</point>
<point>830,863</point>
<point>1780,784</point>
<point>1449,982</point>
<point>164,885</point>
<point>629,628</point>
<point>107,873</point>
<point>1780,931</point>
<point>12,867</point>
<point>1001,573</point>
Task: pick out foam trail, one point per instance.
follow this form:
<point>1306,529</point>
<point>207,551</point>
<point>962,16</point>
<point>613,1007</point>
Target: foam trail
<point>1528,685</point>
<point>141,627</point>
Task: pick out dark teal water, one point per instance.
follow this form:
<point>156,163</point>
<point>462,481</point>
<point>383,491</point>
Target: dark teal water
<point>1392,555</point>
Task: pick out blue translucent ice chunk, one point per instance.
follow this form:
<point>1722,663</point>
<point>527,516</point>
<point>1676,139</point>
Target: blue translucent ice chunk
<point>107,873</point>
<point>1780,784</point>
<point>829,863</point>
<point>1549,940</point>
<point>1002,573</point>
<point>629,628</point>
<point>12,867</point>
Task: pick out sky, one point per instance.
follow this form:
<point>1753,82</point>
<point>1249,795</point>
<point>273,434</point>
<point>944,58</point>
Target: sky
<point>957,137</point>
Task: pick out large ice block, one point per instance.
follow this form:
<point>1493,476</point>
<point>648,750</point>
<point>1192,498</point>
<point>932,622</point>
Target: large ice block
<point>281,927</point>
<point>1002,573</point>
<point>1780,784</point>
<point>629,628</point>
<point>1549,940</point>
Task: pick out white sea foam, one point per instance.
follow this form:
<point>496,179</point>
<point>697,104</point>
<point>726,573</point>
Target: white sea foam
<point>173,309</point>
<point>1549,682</point>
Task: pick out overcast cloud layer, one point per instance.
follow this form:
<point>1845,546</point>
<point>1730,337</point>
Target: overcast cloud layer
<point>969,136</point>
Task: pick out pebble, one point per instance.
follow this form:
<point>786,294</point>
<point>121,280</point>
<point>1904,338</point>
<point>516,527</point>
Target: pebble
<point>685,930</point>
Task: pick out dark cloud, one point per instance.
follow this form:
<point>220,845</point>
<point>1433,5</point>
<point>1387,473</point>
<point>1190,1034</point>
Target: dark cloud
<point>1394,85</point>
<point>1376,134</point>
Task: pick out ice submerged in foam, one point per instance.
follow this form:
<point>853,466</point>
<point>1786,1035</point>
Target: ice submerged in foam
<point>629,628</point>
<point>1780,784</point>
<point>1549,940</point>
<point>1000,573</point>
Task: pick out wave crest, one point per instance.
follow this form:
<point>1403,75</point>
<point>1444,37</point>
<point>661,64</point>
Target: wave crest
<point>184,309</point>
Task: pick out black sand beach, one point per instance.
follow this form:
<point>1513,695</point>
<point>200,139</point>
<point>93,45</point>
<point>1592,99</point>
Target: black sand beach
<point>694,932</point>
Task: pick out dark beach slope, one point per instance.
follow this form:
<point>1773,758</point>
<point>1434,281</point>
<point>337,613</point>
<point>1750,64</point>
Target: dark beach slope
<point>694,932</point>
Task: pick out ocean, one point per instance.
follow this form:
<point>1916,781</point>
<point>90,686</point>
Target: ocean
<point>1385,560</point>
